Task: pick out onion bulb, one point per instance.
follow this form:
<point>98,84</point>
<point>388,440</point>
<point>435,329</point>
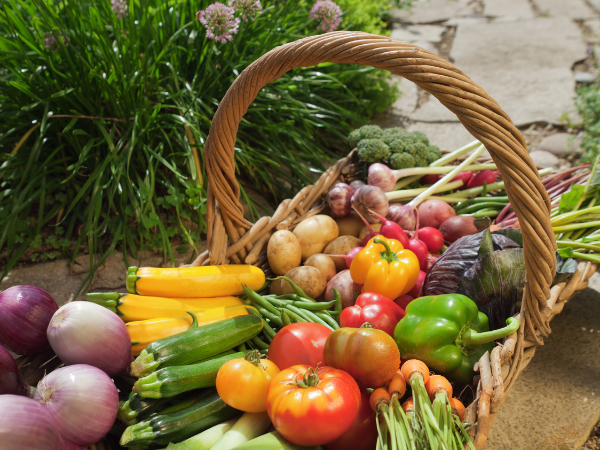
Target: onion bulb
<point>82,400</point>
<point>87,333</point>
<point>10,379</point>
<point>26,425</point>
<point>338,199</point>
<point>356,184</point>
<point>403,215</point>
<point>370,198</point>
<point>25,312</point>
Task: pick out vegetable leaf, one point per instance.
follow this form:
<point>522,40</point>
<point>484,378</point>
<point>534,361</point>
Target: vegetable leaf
<point>513,234</point>
<point>487,245</point>
<point>564,268</point>
<point>569,201</point>
<point>565,252</point>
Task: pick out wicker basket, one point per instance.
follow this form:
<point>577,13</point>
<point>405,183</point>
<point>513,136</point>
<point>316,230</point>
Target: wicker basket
<point>232,239</point>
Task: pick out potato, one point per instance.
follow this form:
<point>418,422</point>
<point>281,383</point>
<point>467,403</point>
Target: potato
<point>324,263</point>
<point>341,246</point>
<point>365,230</point>
<point>309,278</point>
<point>283,252</point>
<point>315,233</point>
<point>275,287</point>
<point>351,225</point>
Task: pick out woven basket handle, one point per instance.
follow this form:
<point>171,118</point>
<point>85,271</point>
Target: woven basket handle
<point>478,112</point>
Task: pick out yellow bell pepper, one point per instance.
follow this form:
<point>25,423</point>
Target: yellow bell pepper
<point>385,267</point>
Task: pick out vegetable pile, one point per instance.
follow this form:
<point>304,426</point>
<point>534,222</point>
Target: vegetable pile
<point>335,348</point>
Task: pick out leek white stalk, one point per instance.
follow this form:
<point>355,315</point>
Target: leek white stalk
<point>204,440</point>
<point>404,194</point>
<point>248,427</point>
<point>271,441</point>
<point>440,170</point>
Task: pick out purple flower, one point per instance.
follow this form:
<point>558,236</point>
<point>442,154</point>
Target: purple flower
<point>120,8</point>
<point>219,21</point>
<point>248,9</point>
<point>51,43</point>
<point>328,13</point>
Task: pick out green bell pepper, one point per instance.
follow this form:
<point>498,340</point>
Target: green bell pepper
<point>449,334</point>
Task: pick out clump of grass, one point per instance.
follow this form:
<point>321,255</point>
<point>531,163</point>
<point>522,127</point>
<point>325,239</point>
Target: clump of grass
<point>104,110</point>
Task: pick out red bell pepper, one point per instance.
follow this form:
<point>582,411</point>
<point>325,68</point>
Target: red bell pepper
<point>380,316</point>
<point>372,298</point>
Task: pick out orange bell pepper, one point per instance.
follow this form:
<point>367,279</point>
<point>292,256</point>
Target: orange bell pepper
<point>385,267</point>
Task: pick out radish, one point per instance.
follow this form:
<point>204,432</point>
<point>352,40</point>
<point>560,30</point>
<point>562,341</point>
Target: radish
<point>420,250</point>
<point>431,259</point>
<point>485,176</point>
<point>433,212</point>
<point>430,179</point>
<point>417,290</point>
<point>392,230</point>
<point>464,177</point>
<point>456,227</point>
<point>403,301</point>
<point>432,238</point>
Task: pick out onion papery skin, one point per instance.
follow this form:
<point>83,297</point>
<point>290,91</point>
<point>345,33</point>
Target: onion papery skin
<point>25,312</point>
<point>10,379</point>
<point>26,425</point>
<point>87,333</point>
<point>82,400</point>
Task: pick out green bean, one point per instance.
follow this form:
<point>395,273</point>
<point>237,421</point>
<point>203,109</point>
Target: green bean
<point>338,301</point>
<point>285,318</point>
<point>479,206</point>
<point>260,301</point>
<point>297,289</point>
<point>292,297</point>
<point>483,213</point>
<point>242,347</point>
<point>327,318</point>
<point>266,327</point>
<point>272,317</point>
<point>295,316</point>
<point>268,338</point>
<point>318,306</point>
<point>309,316</point>
<point>260,343</point>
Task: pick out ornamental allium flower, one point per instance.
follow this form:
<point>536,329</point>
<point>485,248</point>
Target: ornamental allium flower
<point>51,43</point>
<point>120,8</point>
<point>248,9</point>
<point>219,21</point>
<point>328,13</point>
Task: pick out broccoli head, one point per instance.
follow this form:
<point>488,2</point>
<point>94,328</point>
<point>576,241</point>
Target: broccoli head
<point>365,132</point>
<point>433,153</point>
<point>402,161</point>
<point>392,134</point>
<point>397,145</point>
<point>420,161</point>
<point>373,150</point>
<point>421,137</point>
<point>416,148</point>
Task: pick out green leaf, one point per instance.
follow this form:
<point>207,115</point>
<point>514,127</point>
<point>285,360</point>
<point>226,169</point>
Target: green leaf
<point>564,268</point>
<point>487,245</point>
<point>569,201</point>
<point>513,234</point>
<point>150,220</point>
<point>566,252</point>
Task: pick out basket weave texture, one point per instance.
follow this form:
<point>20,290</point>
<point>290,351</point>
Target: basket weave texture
<point>232,239</point>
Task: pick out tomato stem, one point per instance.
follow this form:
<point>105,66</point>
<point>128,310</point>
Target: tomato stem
<point>310,378</point>
<point>253,357</point>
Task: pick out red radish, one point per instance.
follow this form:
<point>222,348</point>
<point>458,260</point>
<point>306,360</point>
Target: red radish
<point>464,177</point>
<point>433,212</point>
<point>431,259</point>
<point>430,179</point>
<point>456,227</point>
<point>432,238</point>
<point>350,256</point>
<point>417,290</point>
<point>404,300</point>
<point>419,248</point>
<point>487,176</point>
<point>403,215</point>
<point>392,230</point>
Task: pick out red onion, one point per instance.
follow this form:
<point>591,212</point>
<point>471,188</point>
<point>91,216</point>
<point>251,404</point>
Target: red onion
<point>66,445</point>
<point>369,198</point>
<point>357,184</point>
<point>456,227</point>
<point>403,215</point>
<point>82,400</point>
<point>382,176</point>
<point>26,425</point>
<point>87,333</point>
<point>10,379</point>
<point>25,312</point>
<point>338,199</point>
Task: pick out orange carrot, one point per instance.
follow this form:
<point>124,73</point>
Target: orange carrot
<point>413,366</point>
<point>495,227</point>
<point>438,383</point>
<point>378,397</point>
<point>408,405</point>
<point>457,408</point>
<point>397,386</point>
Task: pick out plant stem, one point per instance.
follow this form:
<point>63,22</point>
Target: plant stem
<point>473,338</point>
<point>412,193</point>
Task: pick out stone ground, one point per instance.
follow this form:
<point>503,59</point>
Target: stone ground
<point>529,55</point>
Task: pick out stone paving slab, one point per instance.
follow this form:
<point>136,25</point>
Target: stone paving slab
<point>555,402</point>
<point>447,136</point>
<point>407,103</point>
<point>574,9</point>
<point>509,8</point>
<point>415,33</point>
<point>434,111</point>
<point>430,11</point>
<point>525,66</point>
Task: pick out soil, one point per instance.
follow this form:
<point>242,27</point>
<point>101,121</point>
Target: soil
<point>593,442</point>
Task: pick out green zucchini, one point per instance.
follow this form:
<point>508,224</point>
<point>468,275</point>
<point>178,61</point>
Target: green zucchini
<point>196,344</point>
<point>175,380</point>
<point>161,429</point>
<point>137,408</point>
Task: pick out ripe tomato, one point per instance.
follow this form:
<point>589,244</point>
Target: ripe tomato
<point>242,382</point>
<point>363,433</point>
<point>299,343</point>
<point>311,406</point>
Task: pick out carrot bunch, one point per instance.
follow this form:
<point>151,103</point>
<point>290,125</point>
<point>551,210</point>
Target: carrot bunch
<point>430,419</point>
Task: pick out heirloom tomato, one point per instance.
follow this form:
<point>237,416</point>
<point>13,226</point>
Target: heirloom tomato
<point>299,343</point>
<point>363,433</point>
<point>312,406</point>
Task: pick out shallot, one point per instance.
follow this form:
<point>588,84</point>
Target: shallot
<point>370,198</point>
<point>10,379</point>
<point>338,199</point>
<point>403,215</point>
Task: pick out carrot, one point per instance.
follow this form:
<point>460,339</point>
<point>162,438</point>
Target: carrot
<point>397,386</point>
<point>408,405</point>
<point>378,397</point>
<point>495,227</point>
<point>414,366</point>
<point>458,409</point>
<point>436,384</point>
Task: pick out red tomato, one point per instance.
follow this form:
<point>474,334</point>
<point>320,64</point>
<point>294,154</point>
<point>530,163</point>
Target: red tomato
<point>363,433</point>
<point>382,317</point>
<point>372,298</point>
<point>311,406</point>
<point>298,343</point>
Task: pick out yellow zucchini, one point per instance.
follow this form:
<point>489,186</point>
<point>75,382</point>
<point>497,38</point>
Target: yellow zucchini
<point>144,332</point>
<point>188,282</point>
<point>132,307</point>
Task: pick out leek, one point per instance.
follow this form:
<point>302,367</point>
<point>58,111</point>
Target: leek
<point>204,440</point>
<point>248,427</point>
<point>271,441</point>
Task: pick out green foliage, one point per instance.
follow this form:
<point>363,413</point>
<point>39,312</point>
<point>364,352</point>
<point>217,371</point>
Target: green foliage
<point>588,105</point>
<point>98,132</point>
<point>373,150</point>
